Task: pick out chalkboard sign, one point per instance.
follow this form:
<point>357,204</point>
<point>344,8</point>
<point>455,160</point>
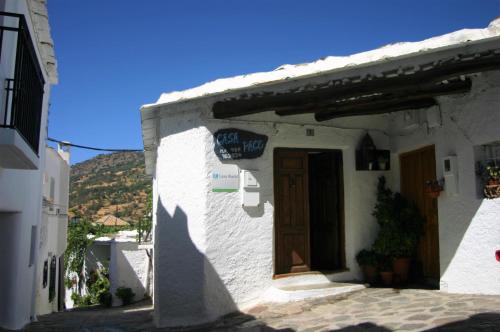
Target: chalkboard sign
<point>232,144</point>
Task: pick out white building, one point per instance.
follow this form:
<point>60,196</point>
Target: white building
<point>28,69</point>
<point>257,181</point>
<point>53,231</point>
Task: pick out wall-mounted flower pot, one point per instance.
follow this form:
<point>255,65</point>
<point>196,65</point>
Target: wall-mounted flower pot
<point>433,188</point>
<point>492,189</point>
<point>433,194</point>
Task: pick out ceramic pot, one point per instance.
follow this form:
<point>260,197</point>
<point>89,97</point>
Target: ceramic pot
<point>369,273</point>
<point>492,190</point>
<point>386,277</point>
<point>433,194</point>
<point>401,266</point>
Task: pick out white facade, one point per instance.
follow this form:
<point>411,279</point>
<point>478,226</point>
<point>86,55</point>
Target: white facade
<point>213,256</point>
<point>53,231</point>
<point>21,179</point>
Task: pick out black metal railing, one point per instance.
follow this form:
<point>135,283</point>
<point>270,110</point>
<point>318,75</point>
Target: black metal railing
<point>24,91</point>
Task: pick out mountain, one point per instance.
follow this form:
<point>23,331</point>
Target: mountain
<point>109,184</point>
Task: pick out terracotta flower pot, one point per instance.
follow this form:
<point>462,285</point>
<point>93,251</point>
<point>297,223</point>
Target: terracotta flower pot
<point>433,194</point>
<point>386,277</point>
<point>493,182</point>
<point>401,266</point>
<point>492,190</point>
<point>369,273</point>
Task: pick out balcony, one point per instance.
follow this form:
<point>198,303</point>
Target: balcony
<point>21,101</point>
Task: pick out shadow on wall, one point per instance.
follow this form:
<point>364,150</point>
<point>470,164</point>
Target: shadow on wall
<point>130,270</point>
<point>188,291</point>
<point>460,226</point>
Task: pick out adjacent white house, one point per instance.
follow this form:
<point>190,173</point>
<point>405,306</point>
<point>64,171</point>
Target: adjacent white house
<point>53,231</point>
<point>27,71</point>
<point>259,181</point>
<point>128,264</point>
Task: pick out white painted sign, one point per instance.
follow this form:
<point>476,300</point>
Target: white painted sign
<point>225,178</point>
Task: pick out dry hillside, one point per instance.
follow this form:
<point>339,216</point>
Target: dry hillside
<point>109,184</point>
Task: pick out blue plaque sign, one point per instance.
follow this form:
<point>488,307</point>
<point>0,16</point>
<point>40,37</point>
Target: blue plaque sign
<point>233,144</point>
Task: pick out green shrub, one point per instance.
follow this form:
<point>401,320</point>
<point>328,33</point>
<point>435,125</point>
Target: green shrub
<point>366,258</point>
<point>85,300</point>
<point>125,294</point>
<point>98,285</point>
<point>401,224</point>
<point>76,298</point>
<point>105,299</point>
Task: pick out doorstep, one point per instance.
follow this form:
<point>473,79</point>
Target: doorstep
<point>301,287</point>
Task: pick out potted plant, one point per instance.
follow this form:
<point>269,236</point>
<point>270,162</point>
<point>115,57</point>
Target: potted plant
<point>433,188</point>
<point>385,268</point>
<point>401,227</point>
<point>367,260</point>
<point>492,181</point>
<point>125,294</point>
<point>382,163</point>
<point>409,229</point>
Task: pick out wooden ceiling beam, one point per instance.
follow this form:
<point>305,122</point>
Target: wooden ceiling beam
<point>440,72</point>
<point>425,92</point>
<point>376,108</point>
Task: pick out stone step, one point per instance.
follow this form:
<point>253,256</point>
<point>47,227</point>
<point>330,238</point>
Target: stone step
<point>298,292</point>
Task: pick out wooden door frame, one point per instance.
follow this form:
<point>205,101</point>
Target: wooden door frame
<point>341,212</point>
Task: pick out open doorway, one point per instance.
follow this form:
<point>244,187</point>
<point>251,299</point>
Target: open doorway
<point>309,216</point>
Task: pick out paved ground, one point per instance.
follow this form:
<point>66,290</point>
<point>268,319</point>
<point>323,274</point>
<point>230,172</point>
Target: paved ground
<point>373,309</point>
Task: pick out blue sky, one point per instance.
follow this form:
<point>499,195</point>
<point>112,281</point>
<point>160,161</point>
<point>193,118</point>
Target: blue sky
<point>117,55</point>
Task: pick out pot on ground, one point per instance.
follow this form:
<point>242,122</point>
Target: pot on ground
<point>369,273</point>
<point>386,277</point>
<point>400,267</point>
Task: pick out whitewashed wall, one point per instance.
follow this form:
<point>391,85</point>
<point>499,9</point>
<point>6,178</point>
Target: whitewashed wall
<point>211,255</point>
<point>469,232</point>
<point>129,267</point>
<point>54,225</point>
<point>20,210</point>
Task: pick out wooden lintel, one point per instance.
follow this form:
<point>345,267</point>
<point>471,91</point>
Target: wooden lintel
<point>399,84</point>
<point>379,108</point>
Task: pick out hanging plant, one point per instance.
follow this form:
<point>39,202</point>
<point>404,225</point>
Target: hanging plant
<point>492,186</point>
<point>490,175</point>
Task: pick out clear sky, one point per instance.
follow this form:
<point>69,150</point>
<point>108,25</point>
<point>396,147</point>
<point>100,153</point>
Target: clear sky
<point>116,55</point>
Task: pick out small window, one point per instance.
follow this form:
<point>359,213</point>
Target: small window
<point>45,273</point>
<point>33,245</point>
<point>487,157</point>
<point>52,283</point>
<point>52,188</point>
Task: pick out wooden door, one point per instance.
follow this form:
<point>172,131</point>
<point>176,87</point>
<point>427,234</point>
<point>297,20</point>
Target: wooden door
<point>417,167</point>
<point>291,211</point>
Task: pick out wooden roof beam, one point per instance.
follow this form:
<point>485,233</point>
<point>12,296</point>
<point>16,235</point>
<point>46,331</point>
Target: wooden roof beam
<point>376,108</point>
<point>425,92</point>
<point>440,72</point>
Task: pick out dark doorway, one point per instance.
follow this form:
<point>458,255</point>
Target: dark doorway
<point>309,224</point>
<point>325,210</point>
